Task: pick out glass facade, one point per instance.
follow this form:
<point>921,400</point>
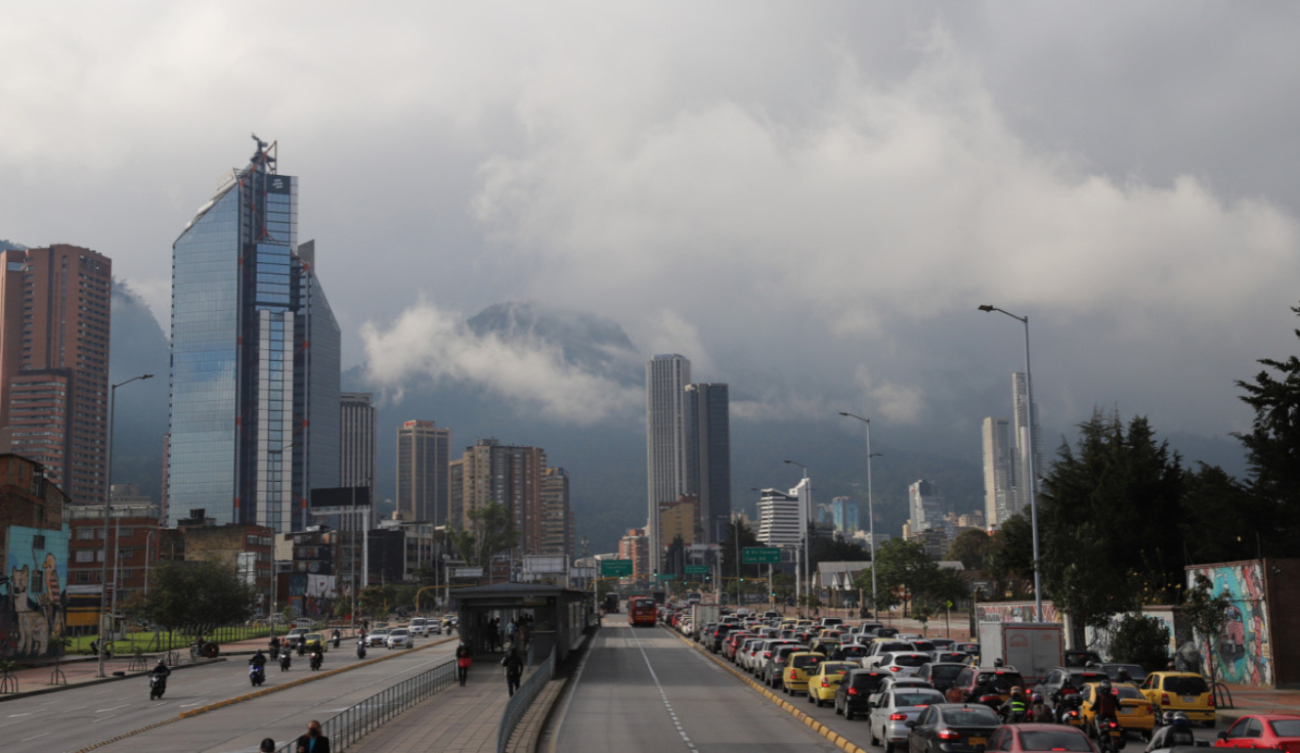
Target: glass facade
<point>708,453</point>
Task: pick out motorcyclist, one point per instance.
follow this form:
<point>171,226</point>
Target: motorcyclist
<point>161,671</point>
<point>1177,730</point>
<point>981,689</point>
<point>258,660</point>
<point>1039,711</point>
<point>317,657</point>
<point>286,658</point>
<point>1015,707</point>
<point>302,645</point>
<point>1122,676</point>
<point>338,636</point>
<point>275,645</point>
<point>1105,706</point>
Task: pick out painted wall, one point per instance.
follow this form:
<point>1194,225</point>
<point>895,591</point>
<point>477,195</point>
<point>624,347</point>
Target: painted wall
<point>1015,611</point>
<point>1242,655</point>
<point>33,598</point>
<point>1099,639</point>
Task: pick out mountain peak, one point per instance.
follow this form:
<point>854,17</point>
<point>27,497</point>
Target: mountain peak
<point>590,342</point>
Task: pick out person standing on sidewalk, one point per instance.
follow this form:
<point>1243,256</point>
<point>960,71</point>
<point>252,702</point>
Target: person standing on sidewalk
<point>313,741</point>
<point>511,631</point>
<point>514,665</point>
<point>463,661</point>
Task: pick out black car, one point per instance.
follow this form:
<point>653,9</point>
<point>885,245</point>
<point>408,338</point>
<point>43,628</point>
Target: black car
<point>952,728</point>
<point>714,641</point>
<point>851,651</point>
<point>1079,658</point>
<point>941,674</point>
<point>855,690</point>
<point>1065,680</point>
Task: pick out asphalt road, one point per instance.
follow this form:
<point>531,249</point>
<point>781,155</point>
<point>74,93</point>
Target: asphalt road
<point>76,718</point>
<point>643,690</point>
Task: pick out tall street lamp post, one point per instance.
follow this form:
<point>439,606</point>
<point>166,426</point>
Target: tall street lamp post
<point>1032,480</point>
<point>871,513</point>
<point>105,618</point>
<point>807,532</point>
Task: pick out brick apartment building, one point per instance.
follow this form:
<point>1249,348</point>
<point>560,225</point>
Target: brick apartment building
<point>134,540</point>
<point>250,548</point>
<point>34,550</point>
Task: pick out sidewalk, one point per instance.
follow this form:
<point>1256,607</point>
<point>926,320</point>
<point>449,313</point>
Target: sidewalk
<point>1247,701</point>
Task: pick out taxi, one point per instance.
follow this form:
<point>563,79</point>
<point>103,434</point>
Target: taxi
<point>1187,692</point>
<point>823,683</point>
<point>314,641</point>
<point>797,668</point>
<point>825,646</point>
<point>1135,711</point>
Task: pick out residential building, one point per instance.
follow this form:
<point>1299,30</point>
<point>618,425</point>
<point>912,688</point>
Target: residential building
<point>925,506</point>
<point>507,474</point>
<point>255,358</point>
<point>357,440</point>
<point>54,331</point>
<point>556,536</point>
<point>844,512</point>
<point>1026,420</point>
<point>666,377</point>
<point>132,550</point>
<point>422,483</point>
<point>780,522</point>
<point>935,541</point>
<point>635,546</point>
<point>708,453</point>
<point>681,518</point>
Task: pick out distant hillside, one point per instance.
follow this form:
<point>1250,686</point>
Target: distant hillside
<point>138,347</point>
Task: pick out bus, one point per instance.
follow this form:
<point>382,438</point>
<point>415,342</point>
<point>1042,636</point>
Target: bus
<point>641,610</point>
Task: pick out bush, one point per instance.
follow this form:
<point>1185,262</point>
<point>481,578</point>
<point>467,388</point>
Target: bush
<point>1141,640</point>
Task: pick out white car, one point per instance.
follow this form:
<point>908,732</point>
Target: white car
<point>902,664</point>
<point>889,720</point>
<point>398,638</point>
<point>419,626</point>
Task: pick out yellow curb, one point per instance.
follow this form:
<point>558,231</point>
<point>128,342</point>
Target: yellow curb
<point>258,694</point>
<point>817,726</point>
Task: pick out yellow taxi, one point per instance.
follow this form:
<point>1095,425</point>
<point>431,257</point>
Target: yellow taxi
<point>824,645</point>
<point>823,683</point>
<point>1135,711</point>
<point>797,668</point>
<point>1187,692</point>
<point>315,640</point>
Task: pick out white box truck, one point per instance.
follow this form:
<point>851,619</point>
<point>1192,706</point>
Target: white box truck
<point>1033,648</point>
<point>701,615</point>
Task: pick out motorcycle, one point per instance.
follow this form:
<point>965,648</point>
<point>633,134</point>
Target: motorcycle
<point>157,686</point>
<point>302,647</point>
<point>256,674</point>
<point>316,660</point>
<point>286,659</point>
<point>337,639</point>
<point>361,650</point>
<point>1111,737</point>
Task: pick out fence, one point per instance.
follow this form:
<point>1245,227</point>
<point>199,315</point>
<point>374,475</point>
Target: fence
<point>351,724</point>
<point>522,699</point>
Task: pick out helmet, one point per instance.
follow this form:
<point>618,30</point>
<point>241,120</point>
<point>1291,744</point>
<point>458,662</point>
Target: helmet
<point>1105,686</point>
<point>1167,718</point>
<point>1181,720</point>
<point>1016,689</point>
<point>1037,698</point>
<point>161,662</point>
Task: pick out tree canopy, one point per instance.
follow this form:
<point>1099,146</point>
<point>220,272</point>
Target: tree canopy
<point>198,594</point>
<point>491,531</point>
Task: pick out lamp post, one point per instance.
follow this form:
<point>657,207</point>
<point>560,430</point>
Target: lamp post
<point>105,618</point>
<point>871,513</point>
<point>1032,476</point>
<point>807,537</point>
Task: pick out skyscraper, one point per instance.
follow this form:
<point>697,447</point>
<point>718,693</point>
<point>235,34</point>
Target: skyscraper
<point>422,473</point>
<point>255,358</point>
<point>510,475</point>
<point>556,518</point>
<point>1026,415</point>
<point>54,324</point>
<point>924,503</point>
<point>708,454</point>
<point>357,439</point>
<point>844,511</point>
<point>666,377</point>
<point>781,521</point>
<point>999,492</point>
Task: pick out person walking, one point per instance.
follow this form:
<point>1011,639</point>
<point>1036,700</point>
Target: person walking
<point>514,665</point>
<point>313,741</point>
<point>463,660</point>
<point>512,631</point>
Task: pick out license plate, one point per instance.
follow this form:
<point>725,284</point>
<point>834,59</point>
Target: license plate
<point>972,741</point>
<point>1126,711</point>
<point>1189,699</point>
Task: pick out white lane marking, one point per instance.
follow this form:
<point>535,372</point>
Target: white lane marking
<point>196,703</point>
<point>11,716</point>
<point>112,708</point>
<point>99,719</point>
<point>662,694</point>
<point>33,737</point>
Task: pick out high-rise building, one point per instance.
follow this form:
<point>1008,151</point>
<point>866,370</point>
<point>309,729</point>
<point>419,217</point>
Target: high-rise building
<point>1026,420</point>
<point>54,325</point>
<point>510,475</point>
<point>423,489</point>
<point>666,377</point>
<point>255,358</point>
<point>708,454</point>
<point>999,489</point>
<point>556,517</point>
<point>779,518</point>
<point>357,439</point>
<point>635,546</point>
<point>844,511</point>
<point>925,506</point>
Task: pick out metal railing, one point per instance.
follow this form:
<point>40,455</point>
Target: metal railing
<point>355,722</point>
<point>522,699</point>
<point>1222,696</point>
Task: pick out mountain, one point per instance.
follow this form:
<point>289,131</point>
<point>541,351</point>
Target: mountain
<point>138,347</point>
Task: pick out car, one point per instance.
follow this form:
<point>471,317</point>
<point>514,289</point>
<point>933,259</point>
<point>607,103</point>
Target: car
<point>943,644</point>
<point>1135,712</point>
<point>1081,658</point>
<point>882,646</point>
<point>903,664</point>
<point>953,728</point>
<point>823,683</point>
<point>824,645</point>
<point>377,637</point>
<point>398,638</point>
<point>773,667</point>
<point>940,674</point>
<point>798,666</point>
<point>1040,738</point>
<point>1136,674</point>
<point>1262,731</point>
<point>764,652</point>
<point>831,622</point>
<point>293,636</point>
<point>419,626</point>
<point>972,649</point>
<point>888,721</point>
<point>853,652</point>
<point>949,657</point>
<point>924,647</point>
<point>1187,692</point>
<point>854,694</point>
<point>1001,680</point>
<point>1064,681</point>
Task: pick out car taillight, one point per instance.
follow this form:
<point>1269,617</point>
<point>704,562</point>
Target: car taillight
<point>853,691</point>
<point>1074,713</point>
<point>947,734</point>
<point>825,683</point>
<point>1164,699</point>
<point>1069,691</point>
<point>792,675</point>
<point>1211,699</point>
<point>897,717</point>
<point>894,669</point>
<point>767,654</point>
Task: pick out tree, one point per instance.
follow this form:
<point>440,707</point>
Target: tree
<point>905,568</point>
<point>1206,615</point>
<point>1143,640</point>
<point>728,549</point>
<point>491,531</point>
<point>1009,557</point>
<point>1220,520</point>
<point>185,595</point>
<point>970,547</point>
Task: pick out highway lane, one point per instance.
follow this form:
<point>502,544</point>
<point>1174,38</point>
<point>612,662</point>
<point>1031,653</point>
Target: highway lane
<point>644,690</point>
<point>72,719</point>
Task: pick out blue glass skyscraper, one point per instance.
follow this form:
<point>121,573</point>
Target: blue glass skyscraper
<point>255,358</point>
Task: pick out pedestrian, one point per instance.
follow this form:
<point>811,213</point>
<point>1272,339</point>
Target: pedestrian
<point>313,741</point>
<point>463,660</point>
<point>512,631</point>
<point>267,746</point>
<point>514,669</point>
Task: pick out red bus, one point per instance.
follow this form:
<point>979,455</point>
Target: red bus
<point>642,610</point>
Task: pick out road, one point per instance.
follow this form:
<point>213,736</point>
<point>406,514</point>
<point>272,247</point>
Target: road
<point>73,719</point>
<point>644,691</point>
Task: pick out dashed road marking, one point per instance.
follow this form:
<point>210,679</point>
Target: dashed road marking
<point>664,695</point>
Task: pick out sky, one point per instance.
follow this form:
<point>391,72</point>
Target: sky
<point>808,199</point>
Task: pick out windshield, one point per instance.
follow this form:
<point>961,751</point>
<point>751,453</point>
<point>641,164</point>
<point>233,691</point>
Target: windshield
<point>1186,685</point>
<point>867,681</point>
<point>799,662</point>
<point>945,671</point>
<point>1053,740</point>
<point>1003,682</point>
<point>836,668</point>
<point>1135,673</point>
<point>1128,691</point>
<point>923,645</point>
<point>972,717</point>
<point>917,699</point>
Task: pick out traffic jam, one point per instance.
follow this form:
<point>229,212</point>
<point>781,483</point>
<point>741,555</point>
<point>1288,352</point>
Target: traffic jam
<point>938,695</point>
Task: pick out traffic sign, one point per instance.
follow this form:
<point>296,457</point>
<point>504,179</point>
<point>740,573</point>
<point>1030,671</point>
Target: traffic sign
<point>667,576</point>
<point>615,568</point>
<point>697,569</point>
<point>761,555</point>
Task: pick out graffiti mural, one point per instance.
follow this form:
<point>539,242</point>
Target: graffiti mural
<point>33,600</point>
<point>1015,611</point>
<point>1241,654</point>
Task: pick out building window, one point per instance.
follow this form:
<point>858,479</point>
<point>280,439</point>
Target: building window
<point>85,555</point>
<point>86,534</point>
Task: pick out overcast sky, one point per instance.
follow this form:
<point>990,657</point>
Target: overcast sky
<point>808,199</point>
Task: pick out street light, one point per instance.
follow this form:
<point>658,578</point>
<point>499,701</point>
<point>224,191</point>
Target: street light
<point>807,516</point>
<point>105,617</point>
<point>1032,480</point>
<point>871,513</point>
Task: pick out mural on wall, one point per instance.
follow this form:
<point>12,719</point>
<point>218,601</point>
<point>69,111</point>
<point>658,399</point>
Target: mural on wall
<point>1015,611</point>
<point>33,602</point>
<point>312,595</point>
<point>1241,654</point>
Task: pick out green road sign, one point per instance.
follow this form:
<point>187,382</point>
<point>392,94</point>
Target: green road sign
<point>667,576</point>
<point>615,568</point>
<point>697,569</point>
<point>760,555</point>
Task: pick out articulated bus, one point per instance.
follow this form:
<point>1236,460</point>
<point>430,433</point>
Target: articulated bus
<point>642,610</point>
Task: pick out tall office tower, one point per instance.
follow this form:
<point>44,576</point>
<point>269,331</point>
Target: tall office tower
<point>510,475</point>
<point>423,489</point>
<point>925,505</point>
<point>54,323</point>
<point>708,454</point>
<point>1026,415</point>
<point>845,514</point>
<point>255,358</point>
<point>999,492</point>
<point>357,439</point>
<point>779,517</point>
<point>666,377</point>
<point>556,521</point>
<point>166,464</point>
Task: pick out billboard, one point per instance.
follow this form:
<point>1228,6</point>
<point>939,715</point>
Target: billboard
<point>338,499</point>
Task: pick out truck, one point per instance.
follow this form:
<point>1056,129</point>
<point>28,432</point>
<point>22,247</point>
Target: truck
<point>1033,648</point>
<point>611,603</point>
<point>703,614</point>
